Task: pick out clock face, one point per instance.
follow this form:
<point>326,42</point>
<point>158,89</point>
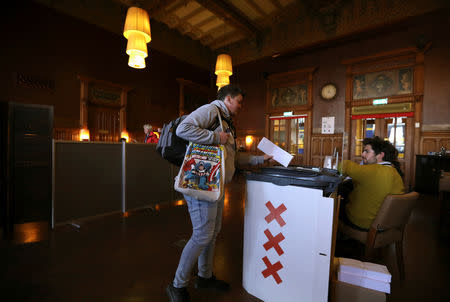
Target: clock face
<point>328,91</point>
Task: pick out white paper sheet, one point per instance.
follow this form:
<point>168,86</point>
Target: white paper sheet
<point>278,154</point>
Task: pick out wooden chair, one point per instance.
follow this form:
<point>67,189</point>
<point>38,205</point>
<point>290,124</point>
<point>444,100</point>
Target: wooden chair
<point>387,227</point>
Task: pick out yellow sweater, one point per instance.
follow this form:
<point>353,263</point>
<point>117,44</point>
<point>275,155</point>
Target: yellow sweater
<point>371,184</point>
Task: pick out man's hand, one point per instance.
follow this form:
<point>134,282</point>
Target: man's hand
<point>268,157</point>
<point>223,137</point>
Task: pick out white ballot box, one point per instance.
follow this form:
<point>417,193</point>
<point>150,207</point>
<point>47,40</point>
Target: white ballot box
<point>287,233</point>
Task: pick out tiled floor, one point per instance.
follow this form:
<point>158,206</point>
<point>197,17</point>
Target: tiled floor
<point>132,259</point>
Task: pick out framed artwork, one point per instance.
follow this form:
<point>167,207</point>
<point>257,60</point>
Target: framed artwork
<point>106,96</point>
<point>384,83</point>
<point>290,96</point>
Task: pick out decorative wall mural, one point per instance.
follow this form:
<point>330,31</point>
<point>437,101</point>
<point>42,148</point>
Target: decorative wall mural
<point>290,96</point>
<point>102,95</point>
<point>384,83</point>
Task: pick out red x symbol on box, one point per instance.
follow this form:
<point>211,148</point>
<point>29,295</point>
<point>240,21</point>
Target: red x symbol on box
<point>274,242</point>
<point>275,213</point>
<point>272,269</point>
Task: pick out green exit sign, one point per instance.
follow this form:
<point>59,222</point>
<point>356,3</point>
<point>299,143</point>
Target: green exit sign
<point>380,101</point>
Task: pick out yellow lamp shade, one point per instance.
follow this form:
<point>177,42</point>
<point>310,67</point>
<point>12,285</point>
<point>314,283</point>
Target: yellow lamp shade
<point>248,141</point>
<point>137,21</point>
<point>137,50</point>
<point>124,135</point>
<point>223,65</point>
<point>84,134</point>
<point>136,45</point>
<point>222,80</point>
<point>136,61</point>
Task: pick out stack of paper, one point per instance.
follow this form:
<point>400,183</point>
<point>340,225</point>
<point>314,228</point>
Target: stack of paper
<point>364,274</point>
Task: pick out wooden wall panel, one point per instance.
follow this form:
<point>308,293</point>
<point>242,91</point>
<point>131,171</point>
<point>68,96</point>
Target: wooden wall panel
<point>316,146</point>
<point>324,144</point>
<point>327,146</point>
<point>67,134</point>
<point>433,141</point>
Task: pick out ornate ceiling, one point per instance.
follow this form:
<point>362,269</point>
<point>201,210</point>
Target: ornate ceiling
<point>217,24</point>
<point>197,30</point>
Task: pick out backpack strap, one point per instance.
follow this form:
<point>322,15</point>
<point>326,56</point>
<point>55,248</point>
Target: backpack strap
<point>219,123</point>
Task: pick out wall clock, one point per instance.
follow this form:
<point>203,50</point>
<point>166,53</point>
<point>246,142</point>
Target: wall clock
<point>328,91</point>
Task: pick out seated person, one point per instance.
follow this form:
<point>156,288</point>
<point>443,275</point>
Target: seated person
<point>150,137</point>
<point>378,177</point>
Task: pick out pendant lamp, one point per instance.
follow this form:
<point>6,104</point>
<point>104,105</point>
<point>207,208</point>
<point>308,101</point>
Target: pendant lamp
<point>223,65</point>
<point>137,31</point>
<point>222,80</point>
<point>137,50</point>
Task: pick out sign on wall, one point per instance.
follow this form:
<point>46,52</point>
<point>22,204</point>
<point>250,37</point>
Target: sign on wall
<point>328,125</point>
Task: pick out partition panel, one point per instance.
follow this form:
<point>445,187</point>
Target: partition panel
<point>87,179</point>
<point>149,177</point>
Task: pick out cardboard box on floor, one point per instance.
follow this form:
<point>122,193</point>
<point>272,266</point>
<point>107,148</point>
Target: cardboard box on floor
<point>345,292</point>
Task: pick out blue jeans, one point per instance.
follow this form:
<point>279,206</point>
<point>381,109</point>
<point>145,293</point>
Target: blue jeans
<point>206,218</point>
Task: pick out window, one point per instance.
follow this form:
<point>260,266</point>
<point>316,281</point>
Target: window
<point>289,133</point>
<point>395,132</point>
<point>279,133</point>
<point>297,136</point>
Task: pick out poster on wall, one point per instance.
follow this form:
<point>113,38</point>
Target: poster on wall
<point>328,125</point>
<point>384,83</point>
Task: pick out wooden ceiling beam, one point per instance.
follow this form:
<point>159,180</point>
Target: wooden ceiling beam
<point>177,6</point>
<point>230,15</point>
<point>257,8</point>
<point>276,3</point>
<point>206,21</point>
<point>193,13</point>
<point>225,40</point>
<point>159,6</point>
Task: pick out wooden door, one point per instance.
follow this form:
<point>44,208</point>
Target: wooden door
<point>104,123</point>
<point>398,130</point>
<point>290,134</point>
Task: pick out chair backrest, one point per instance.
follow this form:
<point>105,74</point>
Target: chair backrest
<point>395,211</point>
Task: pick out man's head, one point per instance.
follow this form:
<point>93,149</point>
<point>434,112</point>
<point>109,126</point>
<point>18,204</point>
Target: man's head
<point>147,128</point>
<point>373,151</point>
<point>232,96</point>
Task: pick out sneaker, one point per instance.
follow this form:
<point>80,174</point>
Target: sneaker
<point>177,294</point>
<point>212,284</point>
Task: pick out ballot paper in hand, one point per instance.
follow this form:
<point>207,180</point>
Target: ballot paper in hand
<point>278,154</point>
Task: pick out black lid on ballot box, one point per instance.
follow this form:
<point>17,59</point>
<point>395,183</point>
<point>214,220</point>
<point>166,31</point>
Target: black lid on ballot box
<point>303,176</point>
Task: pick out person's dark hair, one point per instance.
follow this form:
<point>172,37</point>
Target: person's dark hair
<point>231,90</point>
<point>391,155</point>
<point>376,143</point>
<point>390,152</point>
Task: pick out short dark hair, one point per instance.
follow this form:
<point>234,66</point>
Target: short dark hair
<point>231,90</point>
<point>376,143</point>
<point>390,152</point>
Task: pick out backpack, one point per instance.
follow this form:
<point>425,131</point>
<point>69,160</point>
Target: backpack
<point>173,148</point>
